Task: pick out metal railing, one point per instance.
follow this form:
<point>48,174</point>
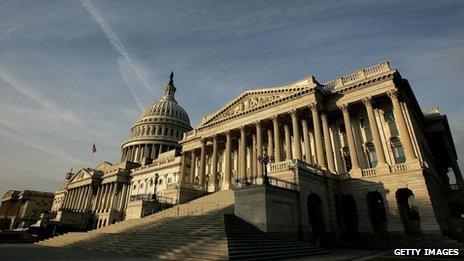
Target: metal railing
<point>149,198</point>
<point>272,181</point>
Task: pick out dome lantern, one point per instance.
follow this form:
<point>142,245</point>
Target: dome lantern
<point>170,89</point>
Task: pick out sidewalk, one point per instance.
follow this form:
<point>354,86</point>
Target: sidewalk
<point>34,252</point>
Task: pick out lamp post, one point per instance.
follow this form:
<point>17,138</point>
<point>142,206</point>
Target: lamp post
<point>154,187</point>
<point>265,159</point>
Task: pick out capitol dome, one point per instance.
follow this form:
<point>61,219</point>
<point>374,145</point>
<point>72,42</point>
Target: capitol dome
<point>158,130</point>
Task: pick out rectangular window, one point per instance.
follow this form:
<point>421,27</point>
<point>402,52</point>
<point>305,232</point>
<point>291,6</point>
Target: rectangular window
<point>341,128</point>
<point>398,153</point>
<point>364,122</point>
<point>372,157</point>
<point>388,117</point>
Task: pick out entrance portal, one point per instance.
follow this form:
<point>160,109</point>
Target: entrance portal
<point>408,211</point>
<point>349,216</point>
<point>377,214</point>
<point>316,216</point>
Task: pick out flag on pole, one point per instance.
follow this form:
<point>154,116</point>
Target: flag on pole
<point>94,148</point>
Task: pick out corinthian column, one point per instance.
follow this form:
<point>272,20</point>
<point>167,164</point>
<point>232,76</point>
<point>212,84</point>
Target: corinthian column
<point>253,158</point>
<point>307,145</point>
<point>270,143</point>
<point>275,123</point>
<point>317,135</point>
<point>355,170</point>
<point>328,144</point>
<point>214,163</point>
<point>227,163</point>
<point>288,143</point>
<point>242,153</point>
<point>193,166</point>
<point>202,162</point>
<point>259,148</point>
<point>374,131</point>
<point>296,135</point>
<point>402,128</point>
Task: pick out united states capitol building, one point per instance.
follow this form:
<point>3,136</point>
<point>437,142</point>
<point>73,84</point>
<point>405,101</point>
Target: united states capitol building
<point>345,160</point>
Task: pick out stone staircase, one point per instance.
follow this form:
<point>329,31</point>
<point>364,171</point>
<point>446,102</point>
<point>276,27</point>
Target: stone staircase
<point>246,242</point>
<point>221,202</point>
<point>203,229</point>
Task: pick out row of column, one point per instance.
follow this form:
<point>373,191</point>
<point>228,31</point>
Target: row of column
<point>324,156</point>
<point>138,152</point>
<point>105,197</point>
<point>78,199</point>
<point>273,148</point>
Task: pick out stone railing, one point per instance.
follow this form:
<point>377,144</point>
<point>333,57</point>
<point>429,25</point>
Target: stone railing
<point>309,167</point>
<point>272,181</point>
<point>357,76</point>
<point>399,167</point>
<point>369,172</point>
<point>189,185</point>
<point>157,163</point>
<point>432,112</point>
<point>281,166</point>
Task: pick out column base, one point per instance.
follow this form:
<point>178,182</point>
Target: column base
<point>212,187</point>
<point>226,185</point>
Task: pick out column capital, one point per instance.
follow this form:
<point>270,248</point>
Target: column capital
<point>257,123</point>
<point>274,117</point>
<point>344,107</point>
<point>314,106</point>
<point>393,94</point>
<point>367,101</point>
<point>293,112</point>
<point>323,115</point>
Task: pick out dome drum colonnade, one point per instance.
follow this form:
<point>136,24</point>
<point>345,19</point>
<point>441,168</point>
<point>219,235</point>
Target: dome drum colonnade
<point>265,134</point>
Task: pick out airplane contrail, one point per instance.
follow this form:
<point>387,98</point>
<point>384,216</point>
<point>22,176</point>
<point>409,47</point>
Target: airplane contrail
<point>27,139</point>
<point>26,90</point>
<point>117,44</point>
<point>124,73</point>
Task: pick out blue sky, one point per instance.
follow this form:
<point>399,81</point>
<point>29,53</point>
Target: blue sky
<point>75,72</point>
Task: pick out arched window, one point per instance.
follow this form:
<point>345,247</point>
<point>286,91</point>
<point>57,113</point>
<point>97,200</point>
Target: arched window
<point>348,216</point>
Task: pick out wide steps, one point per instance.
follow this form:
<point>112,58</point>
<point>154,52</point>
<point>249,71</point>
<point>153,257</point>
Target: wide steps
<point>202,229</point>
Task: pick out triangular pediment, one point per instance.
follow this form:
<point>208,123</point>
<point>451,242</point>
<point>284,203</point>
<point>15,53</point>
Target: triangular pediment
<point>254,99</point>
<point>80,175</point>
<point>104,166</point>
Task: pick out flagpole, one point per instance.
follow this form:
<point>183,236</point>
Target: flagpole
<point>90,159</point>
<point>94,149</point>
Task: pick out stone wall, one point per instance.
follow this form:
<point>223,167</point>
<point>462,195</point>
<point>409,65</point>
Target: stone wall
<point>271,209</point>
